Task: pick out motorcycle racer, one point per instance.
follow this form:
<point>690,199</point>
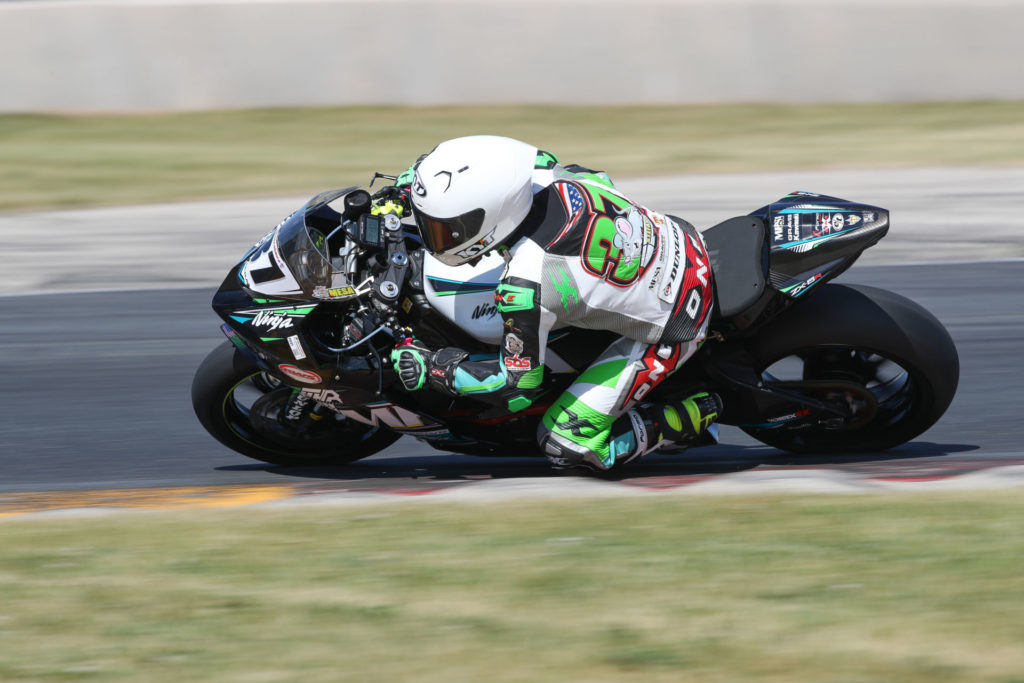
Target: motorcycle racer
<point>578,253</point>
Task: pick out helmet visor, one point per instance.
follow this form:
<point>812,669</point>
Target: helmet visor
<point>441,235</point>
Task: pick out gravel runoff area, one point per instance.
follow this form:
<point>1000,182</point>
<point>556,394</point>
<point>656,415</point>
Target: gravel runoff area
<point>938,214</point>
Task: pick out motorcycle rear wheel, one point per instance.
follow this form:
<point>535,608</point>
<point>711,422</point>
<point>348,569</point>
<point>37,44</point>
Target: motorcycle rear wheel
<point>235,403</point>
<point>899,356</point>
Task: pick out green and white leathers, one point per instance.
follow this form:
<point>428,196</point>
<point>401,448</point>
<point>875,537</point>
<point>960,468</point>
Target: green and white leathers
<point>587,256</point>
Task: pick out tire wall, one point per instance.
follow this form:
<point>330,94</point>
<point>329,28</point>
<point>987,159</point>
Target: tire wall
<point>166,55</point>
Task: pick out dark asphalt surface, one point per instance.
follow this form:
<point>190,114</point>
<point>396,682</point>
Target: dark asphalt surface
<point>95,395</point>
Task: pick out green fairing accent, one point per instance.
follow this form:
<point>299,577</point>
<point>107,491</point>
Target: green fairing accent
<point>511,298</point>
<point>605,374</point>
<point>519,403</point>
<point>565,288</point>
<point>268,339</point>
<point>465,383</point>
<point>593,437</point>
<point>444,287</point>
<point>299,311</point>
<point>545,159</point>
<point>532,378</point>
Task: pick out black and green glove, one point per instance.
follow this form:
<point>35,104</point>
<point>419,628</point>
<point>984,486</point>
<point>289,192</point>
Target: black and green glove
<point>406,177</point>
<point>419,366</point>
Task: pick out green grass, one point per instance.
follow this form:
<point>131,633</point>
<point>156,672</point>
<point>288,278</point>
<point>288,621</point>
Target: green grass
<point>921,587</point>
<point>48,161</point>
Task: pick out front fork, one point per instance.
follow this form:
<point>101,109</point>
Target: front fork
<point>301,407</point>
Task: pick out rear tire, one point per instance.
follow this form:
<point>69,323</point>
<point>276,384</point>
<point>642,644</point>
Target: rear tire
<point>217,398</point>
<point>850,333</point>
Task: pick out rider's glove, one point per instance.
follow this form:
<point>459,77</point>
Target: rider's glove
<point>419,366</point>
<point>406,177</point>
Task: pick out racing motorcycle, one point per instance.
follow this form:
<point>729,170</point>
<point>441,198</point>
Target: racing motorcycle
<point>802,364</point>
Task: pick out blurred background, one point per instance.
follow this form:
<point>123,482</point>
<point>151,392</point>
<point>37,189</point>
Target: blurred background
<point>127,102</point>
<point>79,56</point>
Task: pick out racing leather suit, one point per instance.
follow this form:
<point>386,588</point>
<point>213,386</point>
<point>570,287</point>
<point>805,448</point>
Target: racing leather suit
<point>589,257</point>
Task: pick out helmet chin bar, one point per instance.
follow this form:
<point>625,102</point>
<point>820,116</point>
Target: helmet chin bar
<point>478,248</point>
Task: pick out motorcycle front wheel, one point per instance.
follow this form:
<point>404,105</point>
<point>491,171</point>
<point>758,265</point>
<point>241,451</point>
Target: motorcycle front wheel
<point>887,360</point>
<point>240,407</point>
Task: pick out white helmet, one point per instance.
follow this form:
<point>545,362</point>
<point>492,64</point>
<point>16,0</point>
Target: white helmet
<point>472,193</point>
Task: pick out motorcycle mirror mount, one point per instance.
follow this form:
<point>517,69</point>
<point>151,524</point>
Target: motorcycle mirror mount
<point>356,204</point>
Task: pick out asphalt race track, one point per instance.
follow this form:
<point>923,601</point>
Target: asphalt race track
<point>96,395</point>
<point>95,384</point>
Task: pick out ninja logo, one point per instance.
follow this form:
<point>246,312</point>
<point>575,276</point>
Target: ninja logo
<point>271,321</point>
<point>485,311</point>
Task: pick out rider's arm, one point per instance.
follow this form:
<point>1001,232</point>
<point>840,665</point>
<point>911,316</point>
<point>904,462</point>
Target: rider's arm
<point>514,379</point>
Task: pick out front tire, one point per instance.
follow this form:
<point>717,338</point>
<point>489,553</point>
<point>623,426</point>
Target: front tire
<point>234,402</point>
<point>899,353</point>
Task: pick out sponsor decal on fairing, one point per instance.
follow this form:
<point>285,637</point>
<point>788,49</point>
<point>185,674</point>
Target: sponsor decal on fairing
<point>300,375</point>
<point>296,347</point>
<point>322,292</point>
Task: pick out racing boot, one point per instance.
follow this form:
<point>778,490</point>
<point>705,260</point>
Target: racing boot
<point>687,422</point>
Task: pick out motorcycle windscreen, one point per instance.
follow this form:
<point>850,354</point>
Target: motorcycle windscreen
<point>296,263</point>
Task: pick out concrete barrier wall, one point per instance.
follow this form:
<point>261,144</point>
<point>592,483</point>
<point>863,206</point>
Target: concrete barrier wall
<point>152,55</point>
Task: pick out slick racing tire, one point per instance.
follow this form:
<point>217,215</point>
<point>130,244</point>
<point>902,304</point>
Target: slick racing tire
<point>897,357</point>
<point>241,408</point>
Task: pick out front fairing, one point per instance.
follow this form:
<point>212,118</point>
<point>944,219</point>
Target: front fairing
<point>288,338</point>
<point>464,295</point>
<point>308,256</point>
<point>286,300</point>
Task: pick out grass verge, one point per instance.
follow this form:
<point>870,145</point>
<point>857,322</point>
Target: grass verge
<point>61,161</point>
<point>840,588</point>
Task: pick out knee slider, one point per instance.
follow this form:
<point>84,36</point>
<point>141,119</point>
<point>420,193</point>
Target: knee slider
<point>563,454</point>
